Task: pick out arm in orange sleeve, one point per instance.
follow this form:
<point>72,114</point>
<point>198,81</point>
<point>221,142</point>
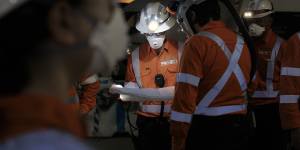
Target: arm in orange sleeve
<point>289,84</point>
<point>186,92</point>
<point>87,98</point>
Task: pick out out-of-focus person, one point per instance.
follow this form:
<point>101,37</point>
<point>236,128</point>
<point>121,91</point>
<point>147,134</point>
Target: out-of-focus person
<point>46,45</point>
<point>83,94</point>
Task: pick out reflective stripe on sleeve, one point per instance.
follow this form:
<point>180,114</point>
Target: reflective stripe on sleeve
<point>265,94</point>
<point>90,80</point>
<point>181,117</point>
<point>187,78</point>
<point>223,110</point>
<point>290,71</point>
<point>289,99</point>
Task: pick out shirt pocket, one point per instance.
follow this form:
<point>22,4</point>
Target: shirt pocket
<point>170,74</point>
<point>146,77</point>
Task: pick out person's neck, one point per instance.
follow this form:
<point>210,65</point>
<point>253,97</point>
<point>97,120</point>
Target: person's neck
<point>158,51</point>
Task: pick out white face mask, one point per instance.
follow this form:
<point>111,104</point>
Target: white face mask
<point>156,42</point>
<point>110,42</point>
<point>256,30</point>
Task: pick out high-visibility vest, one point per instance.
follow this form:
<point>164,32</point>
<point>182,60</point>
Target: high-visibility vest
<point>137,73</point>
<point>269,92</point>
<point>203,107</point>
<point>233,68</point>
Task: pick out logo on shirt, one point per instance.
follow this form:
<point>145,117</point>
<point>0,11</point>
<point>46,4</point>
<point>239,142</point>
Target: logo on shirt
<point>168,62</point>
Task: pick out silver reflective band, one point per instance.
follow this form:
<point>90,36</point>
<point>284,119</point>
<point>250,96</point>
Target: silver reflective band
<point>255,76</point>
<point>181,117</point>
<point>155,108</point>
<point>180,50</point>
<point>265,94</point>
<point>289,99</point>
<point>233,68</point>
<point>240,43</point>
<point>187,78</point>
<point>270,93</point>
<point>290,71</point>
<point>136,66</point>
<point>218,111</point>
<point>90,80</point>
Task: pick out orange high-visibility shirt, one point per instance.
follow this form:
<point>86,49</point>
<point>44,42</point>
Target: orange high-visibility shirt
<point>28,113</point>
<point>87,98</point>
<point>151,64</point>
<point>290,84</point>
<point>264,88</point>
<point>203,63</point>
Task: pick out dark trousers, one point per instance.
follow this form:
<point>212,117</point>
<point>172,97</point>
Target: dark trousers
<point>154,133</point>
<point>268,133</point>
<point>218,133</point>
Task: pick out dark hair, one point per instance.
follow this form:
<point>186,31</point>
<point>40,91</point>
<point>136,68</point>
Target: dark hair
<point>202,13</point>
<point>21,32</point>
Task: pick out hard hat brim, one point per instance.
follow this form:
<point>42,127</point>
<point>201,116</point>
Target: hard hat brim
<point>167,25</point>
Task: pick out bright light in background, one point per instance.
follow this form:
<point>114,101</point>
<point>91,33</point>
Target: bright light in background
<point>125,1</point>
<point>153,25</point>
<point>248,14</point>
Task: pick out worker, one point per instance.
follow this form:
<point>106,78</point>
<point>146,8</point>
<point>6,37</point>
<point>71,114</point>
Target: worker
<point>151,75</point>
<point>44,49</point>
<point>209,109</point>
<point>85,99</point>
<point>90,87</point>
<point>289,92</point>
<point>264,90</point>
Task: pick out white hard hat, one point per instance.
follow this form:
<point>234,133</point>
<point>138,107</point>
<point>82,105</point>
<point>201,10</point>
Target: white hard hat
<point>155,19</point>
<point>264,6</point>
<point>7,5</point>
<point>181,15</point>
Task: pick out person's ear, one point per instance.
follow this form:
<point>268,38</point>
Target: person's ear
<point>61,24</point>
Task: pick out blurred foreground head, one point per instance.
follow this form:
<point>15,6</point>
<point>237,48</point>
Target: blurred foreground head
<point>49,44</point>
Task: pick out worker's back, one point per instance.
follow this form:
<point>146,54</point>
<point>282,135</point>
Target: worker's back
<point>213,63</point>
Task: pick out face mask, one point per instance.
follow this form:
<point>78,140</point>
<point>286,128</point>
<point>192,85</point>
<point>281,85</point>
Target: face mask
<point>156,42</point>
<point>110,43</point>
<point>255,30</point>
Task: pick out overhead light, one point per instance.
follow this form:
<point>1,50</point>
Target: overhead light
<point>248,14</point>
<point>153,25</point>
